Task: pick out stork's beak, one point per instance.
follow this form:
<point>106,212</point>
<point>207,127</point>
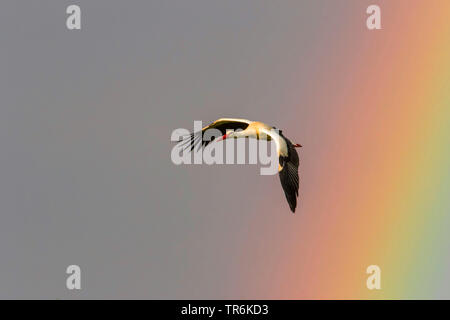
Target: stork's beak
<point>297,145</point>
<point>222,137</point>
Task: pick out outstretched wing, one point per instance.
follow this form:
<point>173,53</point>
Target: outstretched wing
<point>198,139</point>
<point>289,175</point>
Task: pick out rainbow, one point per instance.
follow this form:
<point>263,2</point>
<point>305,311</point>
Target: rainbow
<point>375,185</point>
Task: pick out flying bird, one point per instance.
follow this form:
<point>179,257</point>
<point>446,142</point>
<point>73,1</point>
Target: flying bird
<point>287,155</point>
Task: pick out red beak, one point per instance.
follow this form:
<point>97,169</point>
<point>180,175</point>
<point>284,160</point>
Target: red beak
<point>222,138</point>
<point>297,145</point>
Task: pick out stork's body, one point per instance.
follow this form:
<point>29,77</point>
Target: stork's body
<point>287,155</point>
<point>262,131</point>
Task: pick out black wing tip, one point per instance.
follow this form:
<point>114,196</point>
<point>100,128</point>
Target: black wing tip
<point>190,141</point>
<point>293,205</point>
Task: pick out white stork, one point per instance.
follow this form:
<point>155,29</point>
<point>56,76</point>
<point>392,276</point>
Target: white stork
<point>287,155</point>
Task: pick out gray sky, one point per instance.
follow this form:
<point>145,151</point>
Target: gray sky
<point>85,121</point>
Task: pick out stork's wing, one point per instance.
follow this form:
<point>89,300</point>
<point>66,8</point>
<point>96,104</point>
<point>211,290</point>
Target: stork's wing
<point>199,138</point>
<point>289,175</point>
